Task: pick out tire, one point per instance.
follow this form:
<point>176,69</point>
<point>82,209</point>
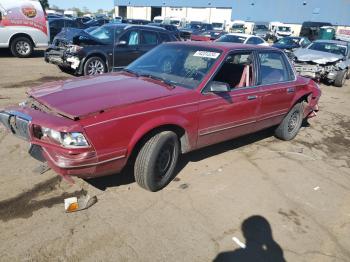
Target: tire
<point>290,125</point>
<point>348,74</point>
<point>156,161</point>
<point>341,78</point>
<point>22,47</point>
<point>94,66</point>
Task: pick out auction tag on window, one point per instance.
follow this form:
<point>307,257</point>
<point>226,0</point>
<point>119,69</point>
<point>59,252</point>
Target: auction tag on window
<point>207,54</point>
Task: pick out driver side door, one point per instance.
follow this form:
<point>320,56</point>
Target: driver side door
<point>230,114</point>
<point>127,48</point>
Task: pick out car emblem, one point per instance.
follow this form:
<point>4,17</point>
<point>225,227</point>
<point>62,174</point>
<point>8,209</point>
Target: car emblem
<point>12,123</point>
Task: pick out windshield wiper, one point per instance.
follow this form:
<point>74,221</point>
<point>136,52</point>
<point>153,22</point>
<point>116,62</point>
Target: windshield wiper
<point>131,72</point>
<point>167,82</point>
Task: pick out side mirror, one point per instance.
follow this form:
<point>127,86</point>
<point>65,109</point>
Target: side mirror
<point>218,87</point>
<point>121,43</point>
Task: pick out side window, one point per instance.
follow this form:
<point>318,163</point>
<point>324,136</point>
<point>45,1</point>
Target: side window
<point>237,70</point>
<point>251,41</point>
<point>273,68</point>
<point>258,41</point>
<point>131,37</point>
<point>149,38</point>
<point>164,37</point>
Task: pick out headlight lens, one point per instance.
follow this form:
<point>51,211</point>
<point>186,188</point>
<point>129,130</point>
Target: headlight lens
<point>74,48</point>
<point>69,140</point>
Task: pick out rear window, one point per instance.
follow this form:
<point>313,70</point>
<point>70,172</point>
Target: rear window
<point>232,39</point>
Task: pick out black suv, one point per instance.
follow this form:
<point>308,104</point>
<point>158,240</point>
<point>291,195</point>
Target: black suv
<point>107,48</point>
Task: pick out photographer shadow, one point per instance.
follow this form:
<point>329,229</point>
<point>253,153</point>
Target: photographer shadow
<point>260,245</point>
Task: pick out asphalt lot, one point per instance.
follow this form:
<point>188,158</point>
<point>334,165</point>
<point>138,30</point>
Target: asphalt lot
<point>293,196</point>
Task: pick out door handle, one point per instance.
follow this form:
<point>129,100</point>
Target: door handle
<point>252,97</point>
<point>290,90</point>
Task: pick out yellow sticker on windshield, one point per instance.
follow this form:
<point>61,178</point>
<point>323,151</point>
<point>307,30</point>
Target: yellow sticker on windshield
<point>207,54</point>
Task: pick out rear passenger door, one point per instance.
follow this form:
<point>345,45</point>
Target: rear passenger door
<point>149,40</point>
<point>277,87</point>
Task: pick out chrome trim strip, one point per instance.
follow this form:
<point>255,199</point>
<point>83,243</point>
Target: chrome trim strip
<point>141,113</point>
<point>262,119</point>
<point>226,128</point>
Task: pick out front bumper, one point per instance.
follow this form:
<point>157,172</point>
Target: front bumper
<point>62,58</point>
<point>315,71</point>
<point>81,162</point>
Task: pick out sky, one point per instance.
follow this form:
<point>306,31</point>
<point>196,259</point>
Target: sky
<point>92,5</point>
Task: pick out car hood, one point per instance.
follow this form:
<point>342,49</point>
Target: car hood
<point>79,98</point>
<point>319,57</point>
<point>76,36</point>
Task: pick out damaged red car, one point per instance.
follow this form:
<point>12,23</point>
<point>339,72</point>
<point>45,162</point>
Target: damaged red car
<point>176,98</point>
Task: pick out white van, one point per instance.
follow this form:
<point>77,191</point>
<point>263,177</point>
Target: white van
<point>23,26</point>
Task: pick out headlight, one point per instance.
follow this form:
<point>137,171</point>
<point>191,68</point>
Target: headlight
<point>69,140</point>
<point>73,48</point>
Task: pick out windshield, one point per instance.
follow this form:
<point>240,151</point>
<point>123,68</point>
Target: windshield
<point>176,64</point>
<point>217,25</point>
<point>329,48</point>
<point>174,22</point>
<point>288,41</point>
<point>232,39</point>
<point>283,28</point>
<point>238,26</point>
<point>106,34</point>
<point>260,27</point>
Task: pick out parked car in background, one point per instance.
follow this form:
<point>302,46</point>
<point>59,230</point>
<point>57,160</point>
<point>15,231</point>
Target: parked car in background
<point>290,43</point>
<point>97,22</point>
<point>210,35</point>
<point>242,39</point>
<point>194,28</point>
<point>261,29</point>
<point>109,47</point>
<point>324,60</point>
<point>172,28</point>
<point>158,19</point>
<point>238,27</point>
<point>57,24</point>
<point>220,26</point>
<point>311,30</point>
<point>162,105</point>
<point>281,31</point>
<point>23,27</point>
<point>136,21</point>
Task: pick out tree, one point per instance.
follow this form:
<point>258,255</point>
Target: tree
<point>86,10</point>
<point>44,4</point>
<point>100,11</point>
<point>79,12</point>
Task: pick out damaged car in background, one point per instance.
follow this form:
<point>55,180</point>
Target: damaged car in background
<point>103,49</point>
<point>327,60</point>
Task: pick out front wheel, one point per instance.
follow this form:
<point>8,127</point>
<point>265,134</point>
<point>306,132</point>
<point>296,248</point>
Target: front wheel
<point>290,125</point>
<point>341,78</point>
<point>156,161</point>
<point>95,66</point>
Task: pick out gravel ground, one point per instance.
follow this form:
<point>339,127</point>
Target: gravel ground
<point>297,193</point>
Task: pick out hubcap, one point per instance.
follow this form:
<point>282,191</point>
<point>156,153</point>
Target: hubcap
<point>22,47</point>
<point>164,159</point>
<point>95,67</point>
<point>293,121</point>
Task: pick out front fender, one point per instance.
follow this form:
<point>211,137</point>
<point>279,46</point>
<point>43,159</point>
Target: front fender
<point>165,122</point>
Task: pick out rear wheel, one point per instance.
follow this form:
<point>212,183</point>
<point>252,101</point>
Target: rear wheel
<point>22,47</point>
<point>290,125</point>
<point>156,161</point>
<point>341,78</point>
<point>95,66</point>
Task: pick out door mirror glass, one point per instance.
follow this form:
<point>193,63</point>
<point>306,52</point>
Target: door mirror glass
<point>218,87</point>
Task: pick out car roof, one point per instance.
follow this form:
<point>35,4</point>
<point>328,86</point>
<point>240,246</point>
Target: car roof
<point>224,46</point>
<point>337,42</point>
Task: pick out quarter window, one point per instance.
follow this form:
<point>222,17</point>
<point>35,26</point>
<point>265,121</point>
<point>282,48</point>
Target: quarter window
<point>273,68</point>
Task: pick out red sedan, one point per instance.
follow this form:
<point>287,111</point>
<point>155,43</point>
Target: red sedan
<point>176,98</point>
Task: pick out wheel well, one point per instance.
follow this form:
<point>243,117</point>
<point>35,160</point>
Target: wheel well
<point>179,131</point>
<point>302,99</point>
<point>21,35</point>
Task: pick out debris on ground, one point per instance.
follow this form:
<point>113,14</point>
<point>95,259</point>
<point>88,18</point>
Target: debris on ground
<point>74,204</point>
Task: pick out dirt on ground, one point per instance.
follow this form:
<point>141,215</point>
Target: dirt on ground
<point>292,196</point>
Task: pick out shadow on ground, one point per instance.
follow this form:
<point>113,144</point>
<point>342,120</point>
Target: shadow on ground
<point>5,52</point>
<point>259,244</point>
<point>126,176</point>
